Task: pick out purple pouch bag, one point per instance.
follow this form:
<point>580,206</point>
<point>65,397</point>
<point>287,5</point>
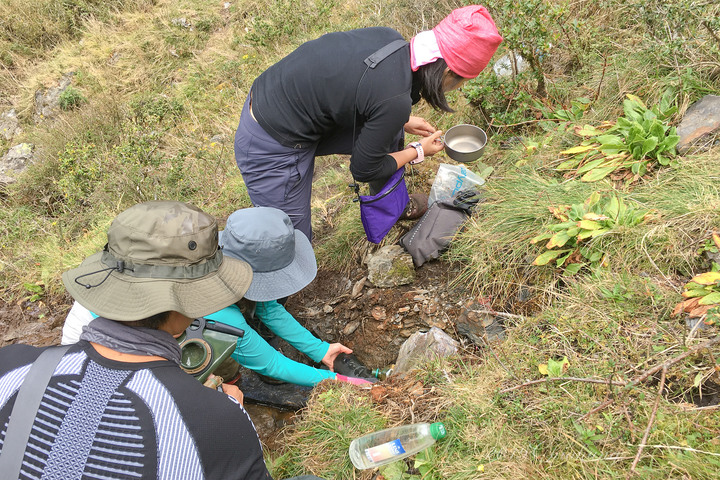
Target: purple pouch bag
<point>381,211</point>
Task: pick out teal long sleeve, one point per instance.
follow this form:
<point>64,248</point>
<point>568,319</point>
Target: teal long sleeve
<point>286,327</point>
<point>253,352</point>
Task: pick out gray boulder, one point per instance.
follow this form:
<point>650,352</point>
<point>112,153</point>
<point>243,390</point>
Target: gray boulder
<point>390,266</point>
<point>9,124</point>
<point>422,346</point>
<point>47,100</point>
<point>15,161</point>
<point>700,124</point>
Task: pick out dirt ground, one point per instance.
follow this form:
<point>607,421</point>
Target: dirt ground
<point>336,307</point>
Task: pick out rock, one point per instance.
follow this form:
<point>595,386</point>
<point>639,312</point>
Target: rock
<point>350,328</point>
<point>328,309</point>
<point>357,288</point>
<point>696,323</point>
<point>219,138</point>
<point>181,22</point>
<point>475,322</point>
<point>15,161</point>
<point>47,101</point>
<point>390,267</point>
<point>379,313</point>
<point>701,120</point>
<point>9,124</point>
<point>424,345</point>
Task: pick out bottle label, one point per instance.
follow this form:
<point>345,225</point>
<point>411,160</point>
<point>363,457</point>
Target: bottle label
<point>384,451</point>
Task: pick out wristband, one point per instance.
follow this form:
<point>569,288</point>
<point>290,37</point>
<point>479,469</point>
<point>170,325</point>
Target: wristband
<point>420,152</point>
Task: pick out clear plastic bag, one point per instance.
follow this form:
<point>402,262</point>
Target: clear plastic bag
<point>452,180</point>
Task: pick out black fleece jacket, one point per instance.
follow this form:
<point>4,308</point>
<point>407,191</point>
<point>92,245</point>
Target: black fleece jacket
<point>323,92</point>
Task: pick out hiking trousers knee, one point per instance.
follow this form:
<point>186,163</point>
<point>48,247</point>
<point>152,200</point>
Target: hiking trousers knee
<point>275,175</point>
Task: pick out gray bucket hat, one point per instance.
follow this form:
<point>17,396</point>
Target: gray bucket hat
<point>282,259</point>
<point>160,256</point>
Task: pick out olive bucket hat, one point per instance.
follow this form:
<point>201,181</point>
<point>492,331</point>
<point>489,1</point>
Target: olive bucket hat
<point>160,256</point>
<point>282,259</point>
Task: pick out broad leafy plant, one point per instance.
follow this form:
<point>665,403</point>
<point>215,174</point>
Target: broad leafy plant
<point>569,242</point>
<point>702,293</point>
<point>638,141</point>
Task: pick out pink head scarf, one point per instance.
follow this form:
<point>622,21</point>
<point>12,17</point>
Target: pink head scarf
<point>466,39</point>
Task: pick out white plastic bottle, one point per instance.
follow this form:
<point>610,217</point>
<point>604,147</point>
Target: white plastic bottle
<point>386,446</point>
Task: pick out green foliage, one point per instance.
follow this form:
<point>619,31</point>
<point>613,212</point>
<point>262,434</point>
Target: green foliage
<point>530,28</point>
<point>569,242</point>
<point>79,170</point>
<point>150,108</point>
<point>36,291</point>
<point>638,141</point>
<point>501,101</point>
<point>71,98</point>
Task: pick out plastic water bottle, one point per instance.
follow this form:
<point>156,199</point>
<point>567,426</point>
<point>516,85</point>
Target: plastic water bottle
<point>391,444</point>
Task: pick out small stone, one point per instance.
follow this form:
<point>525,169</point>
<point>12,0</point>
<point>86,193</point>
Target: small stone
<point>431,308</point>
<point>403,309</point>
<point>357,288</point>
<point>350,328</point>
<point>328,309</point>
<point>379,313</point>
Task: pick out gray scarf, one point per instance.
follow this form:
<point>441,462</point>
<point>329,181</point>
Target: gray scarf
<point>134,340</point>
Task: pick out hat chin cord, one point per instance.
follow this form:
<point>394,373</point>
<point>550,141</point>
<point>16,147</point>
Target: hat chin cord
<point>120,267</point>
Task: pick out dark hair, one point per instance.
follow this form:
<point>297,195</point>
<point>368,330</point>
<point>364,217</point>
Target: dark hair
<point>153,321</point>
<point>430,78</point>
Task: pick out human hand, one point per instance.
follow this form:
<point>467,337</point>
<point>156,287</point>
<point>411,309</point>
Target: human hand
<point>432,144</point>
<point>418,126</point>
<point>352,380</point>
<point>234,392</point>
<point>332,353</point>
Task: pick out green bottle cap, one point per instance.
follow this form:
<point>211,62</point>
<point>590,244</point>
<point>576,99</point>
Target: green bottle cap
<point>437,430</point>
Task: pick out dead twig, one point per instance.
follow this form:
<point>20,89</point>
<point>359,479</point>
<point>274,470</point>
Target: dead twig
<point>662,366</point>
<point>641,447</point>
<point>706,24</point>
<point>562,379</point>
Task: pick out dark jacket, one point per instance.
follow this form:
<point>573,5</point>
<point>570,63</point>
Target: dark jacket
<point>317,93</point>
<point>103,418</point>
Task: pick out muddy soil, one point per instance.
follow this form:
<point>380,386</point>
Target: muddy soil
<point>336,307</point>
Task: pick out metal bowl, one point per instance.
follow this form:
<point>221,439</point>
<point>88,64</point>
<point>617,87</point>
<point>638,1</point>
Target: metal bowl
<point>465,143</point>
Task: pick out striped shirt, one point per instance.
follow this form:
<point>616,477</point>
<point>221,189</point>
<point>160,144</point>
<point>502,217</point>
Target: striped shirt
<point>103,419</point>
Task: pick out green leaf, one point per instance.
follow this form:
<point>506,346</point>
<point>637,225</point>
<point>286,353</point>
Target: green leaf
<point>649,145</point>
<point>590,165</point>
<point>546,257</point>
<point>695,293</point>
<point>598,174</point>
<point>710,299</point>
<point>541,237</point>
<point>572,269</point>
<point>558,240</point>
<point>671,141</point>
<point>556,368</point>
<point>589,224</point>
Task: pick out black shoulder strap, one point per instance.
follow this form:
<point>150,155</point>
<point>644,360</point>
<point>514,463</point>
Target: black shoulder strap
<point>380,55</point>
<point>372,61</point>
<point>25,409</point>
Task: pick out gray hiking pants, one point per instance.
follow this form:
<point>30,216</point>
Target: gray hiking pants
<point>281,177</point>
